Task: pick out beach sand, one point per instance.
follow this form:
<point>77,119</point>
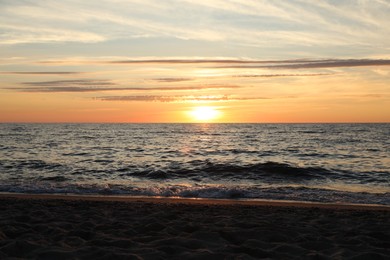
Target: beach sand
<point>78,227</point>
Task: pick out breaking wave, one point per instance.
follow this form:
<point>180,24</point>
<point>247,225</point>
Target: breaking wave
<point>310,162</point>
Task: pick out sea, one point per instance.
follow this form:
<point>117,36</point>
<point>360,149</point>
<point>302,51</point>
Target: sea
<point>330,163</point>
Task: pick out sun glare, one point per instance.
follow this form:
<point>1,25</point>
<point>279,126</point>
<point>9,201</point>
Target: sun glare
<point>204,113</point>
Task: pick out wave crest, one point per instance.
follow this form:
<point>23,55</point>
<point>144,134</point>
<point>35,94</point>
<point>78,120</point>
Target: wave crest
<point>259,171</point>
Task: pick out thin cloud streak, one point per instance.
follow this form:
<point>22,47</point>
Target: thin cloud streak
<point>281,75</point>
<point>339,63</point>
<point>94,89</point>
<point>241,63</point>
<point>15,34</point>
<point>89,85</point>
<point>169,80</point>
<point>168,61</point>
<point>40,72</point>
<point>65,89</point>
<point>205,61</point>
<point>158,98</point>
<point>316,64</point>
<point>76,82</point>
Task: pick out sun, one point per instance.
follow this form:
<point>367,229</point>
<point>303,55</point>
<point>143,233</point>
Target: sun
<point>205,113</point>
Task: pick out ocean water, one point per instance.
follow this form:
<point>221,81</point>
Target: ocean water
<point>345,163</point>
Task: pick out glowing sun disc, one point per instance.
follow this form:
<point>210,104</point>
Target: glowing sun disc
<point>204,113</point>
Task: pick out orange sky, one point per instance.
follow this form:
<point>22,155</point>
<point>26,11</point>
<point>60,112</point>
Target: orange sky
<point>166,93</point>
<point>152,62</point>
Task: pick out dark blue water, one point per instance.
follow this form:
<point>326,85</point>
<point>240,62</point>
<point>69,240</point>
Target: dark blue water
<point>347,163</point>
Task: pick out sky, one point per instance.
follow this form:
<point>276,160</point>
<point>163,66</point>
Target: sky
<point>195,61</point>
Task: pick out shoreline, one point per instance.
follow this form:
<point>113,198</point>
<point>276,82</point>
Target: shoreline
<point>192,201</point>
<point>46,226</point>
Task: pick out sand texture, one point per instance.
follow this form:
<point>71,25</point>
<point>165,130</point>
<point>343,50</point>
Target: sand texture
<point>92,229</point>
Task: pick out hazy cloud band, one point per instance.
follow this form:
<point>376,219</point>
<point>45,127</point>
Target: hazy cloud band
<point>158,98</point>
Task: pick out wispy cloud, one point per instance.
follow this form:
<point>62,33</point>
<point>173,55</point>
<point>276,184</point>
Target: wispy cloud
<point>305,23</point>
<point>315,64</point>
<point>100,89</point>
<point>281,75</point>
<point>206,61</point>
<point>238,63</point>
<point>160,61</point>
<point>176,98</point>
<point>74,85</point>
<point>288,24</point>
<point>337,63</point>
<point>40,72</point>
<point>64,89</point>
<point>181,61</point>
<point>15,34</point>
<point>95,85</point>
<point>369,95</point>
<point>168,80</point>
<point>73,82</point>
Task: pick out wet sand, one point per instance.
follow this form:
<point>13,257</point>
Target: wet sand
<point>78,227</point>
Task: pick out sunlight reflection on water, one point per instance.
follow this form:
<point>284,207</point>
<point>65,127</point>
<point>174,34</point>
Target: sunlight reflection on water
<point>247,160</point>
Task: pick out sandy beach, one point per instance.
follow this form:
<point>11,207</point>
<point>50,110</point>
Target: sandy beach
<point>74,227</point>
